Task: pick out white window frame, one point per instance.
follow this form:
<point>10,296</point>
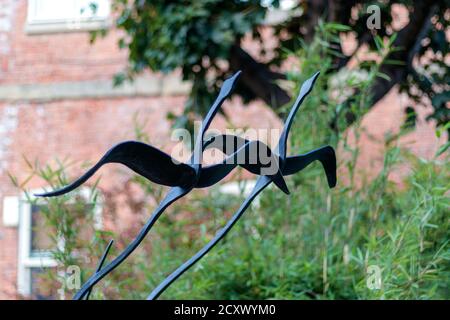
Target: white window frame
<point>26,261</point>
<point>42,26</point>
<point>238,188</point>
<point>241,188</point>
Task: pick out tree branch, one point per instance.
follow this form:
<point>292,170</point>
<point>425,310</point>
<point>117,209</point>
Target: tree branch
<point>258,78</point>
<point>407,40</point>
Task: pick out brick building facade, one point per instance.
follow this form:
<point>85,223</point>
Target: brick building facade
<point>57,100</point>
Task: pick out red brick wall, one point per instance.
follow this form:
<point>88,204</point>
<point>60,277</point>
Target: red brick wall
<point>57,57</point>
<point>8,236</point>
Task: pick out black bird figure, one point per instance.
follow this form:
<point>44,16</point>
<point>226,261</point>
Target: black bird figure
<point>233,146</point>
<point>157,167</point>
<point>287,166</point>
<point>152,163</point>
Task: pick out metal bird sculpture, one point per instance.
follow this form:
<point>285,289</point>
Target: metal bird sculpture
<point>233,146</point>
<point>160,168</point>
<point>157,167</point>
<point>286,165</point>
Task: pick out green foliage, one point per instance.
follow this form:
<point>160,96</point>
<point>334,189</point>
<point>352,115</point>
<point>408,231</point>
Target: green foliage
<point>196,37</point>
<point>70,222</point>
<point>316,243</point>
<point>201,38</point>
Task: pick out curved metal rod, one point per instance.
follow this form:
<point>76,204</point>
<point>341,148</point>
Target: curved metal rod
<point>173,195</point>
<point>261,184</point>
<point>305,89</point>
<point>225,91</point>
<point>100,264</point>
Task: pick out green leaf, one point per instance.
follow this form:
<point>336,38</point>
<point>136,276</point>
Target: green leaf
<point>443,149</point>
<point>379,43</point>
<point>337,27</point>
<point>394,62</point>
<point>383,76</point>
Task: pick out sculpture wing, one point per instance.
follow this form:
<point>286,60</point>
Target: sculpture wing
<point>239,151</point>
<point>143,159</point>
<point>325,155</point>
<point>210,175</point>
<point>232,146</point>
<point>236,148</point>
<point>229,145</point>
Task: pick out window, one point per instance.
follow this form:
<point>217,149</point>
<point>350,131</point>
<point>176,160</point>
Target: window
<point>35,247</point>
<point>66,15</point>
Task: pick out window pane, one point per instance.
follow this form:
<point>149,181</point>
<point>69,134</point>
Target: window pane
<point>43,236</point>
<point>45,10</point>
<point>93,8</point>
<point>41,240</point>
<point>67,10</point>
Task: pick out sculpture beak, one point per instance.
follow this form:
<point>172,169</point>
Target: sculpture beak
<point>228,85</point>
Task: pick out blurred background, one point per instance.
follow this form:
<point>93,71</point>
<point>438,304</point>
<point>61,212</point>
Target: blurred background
<point>79,76</point>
